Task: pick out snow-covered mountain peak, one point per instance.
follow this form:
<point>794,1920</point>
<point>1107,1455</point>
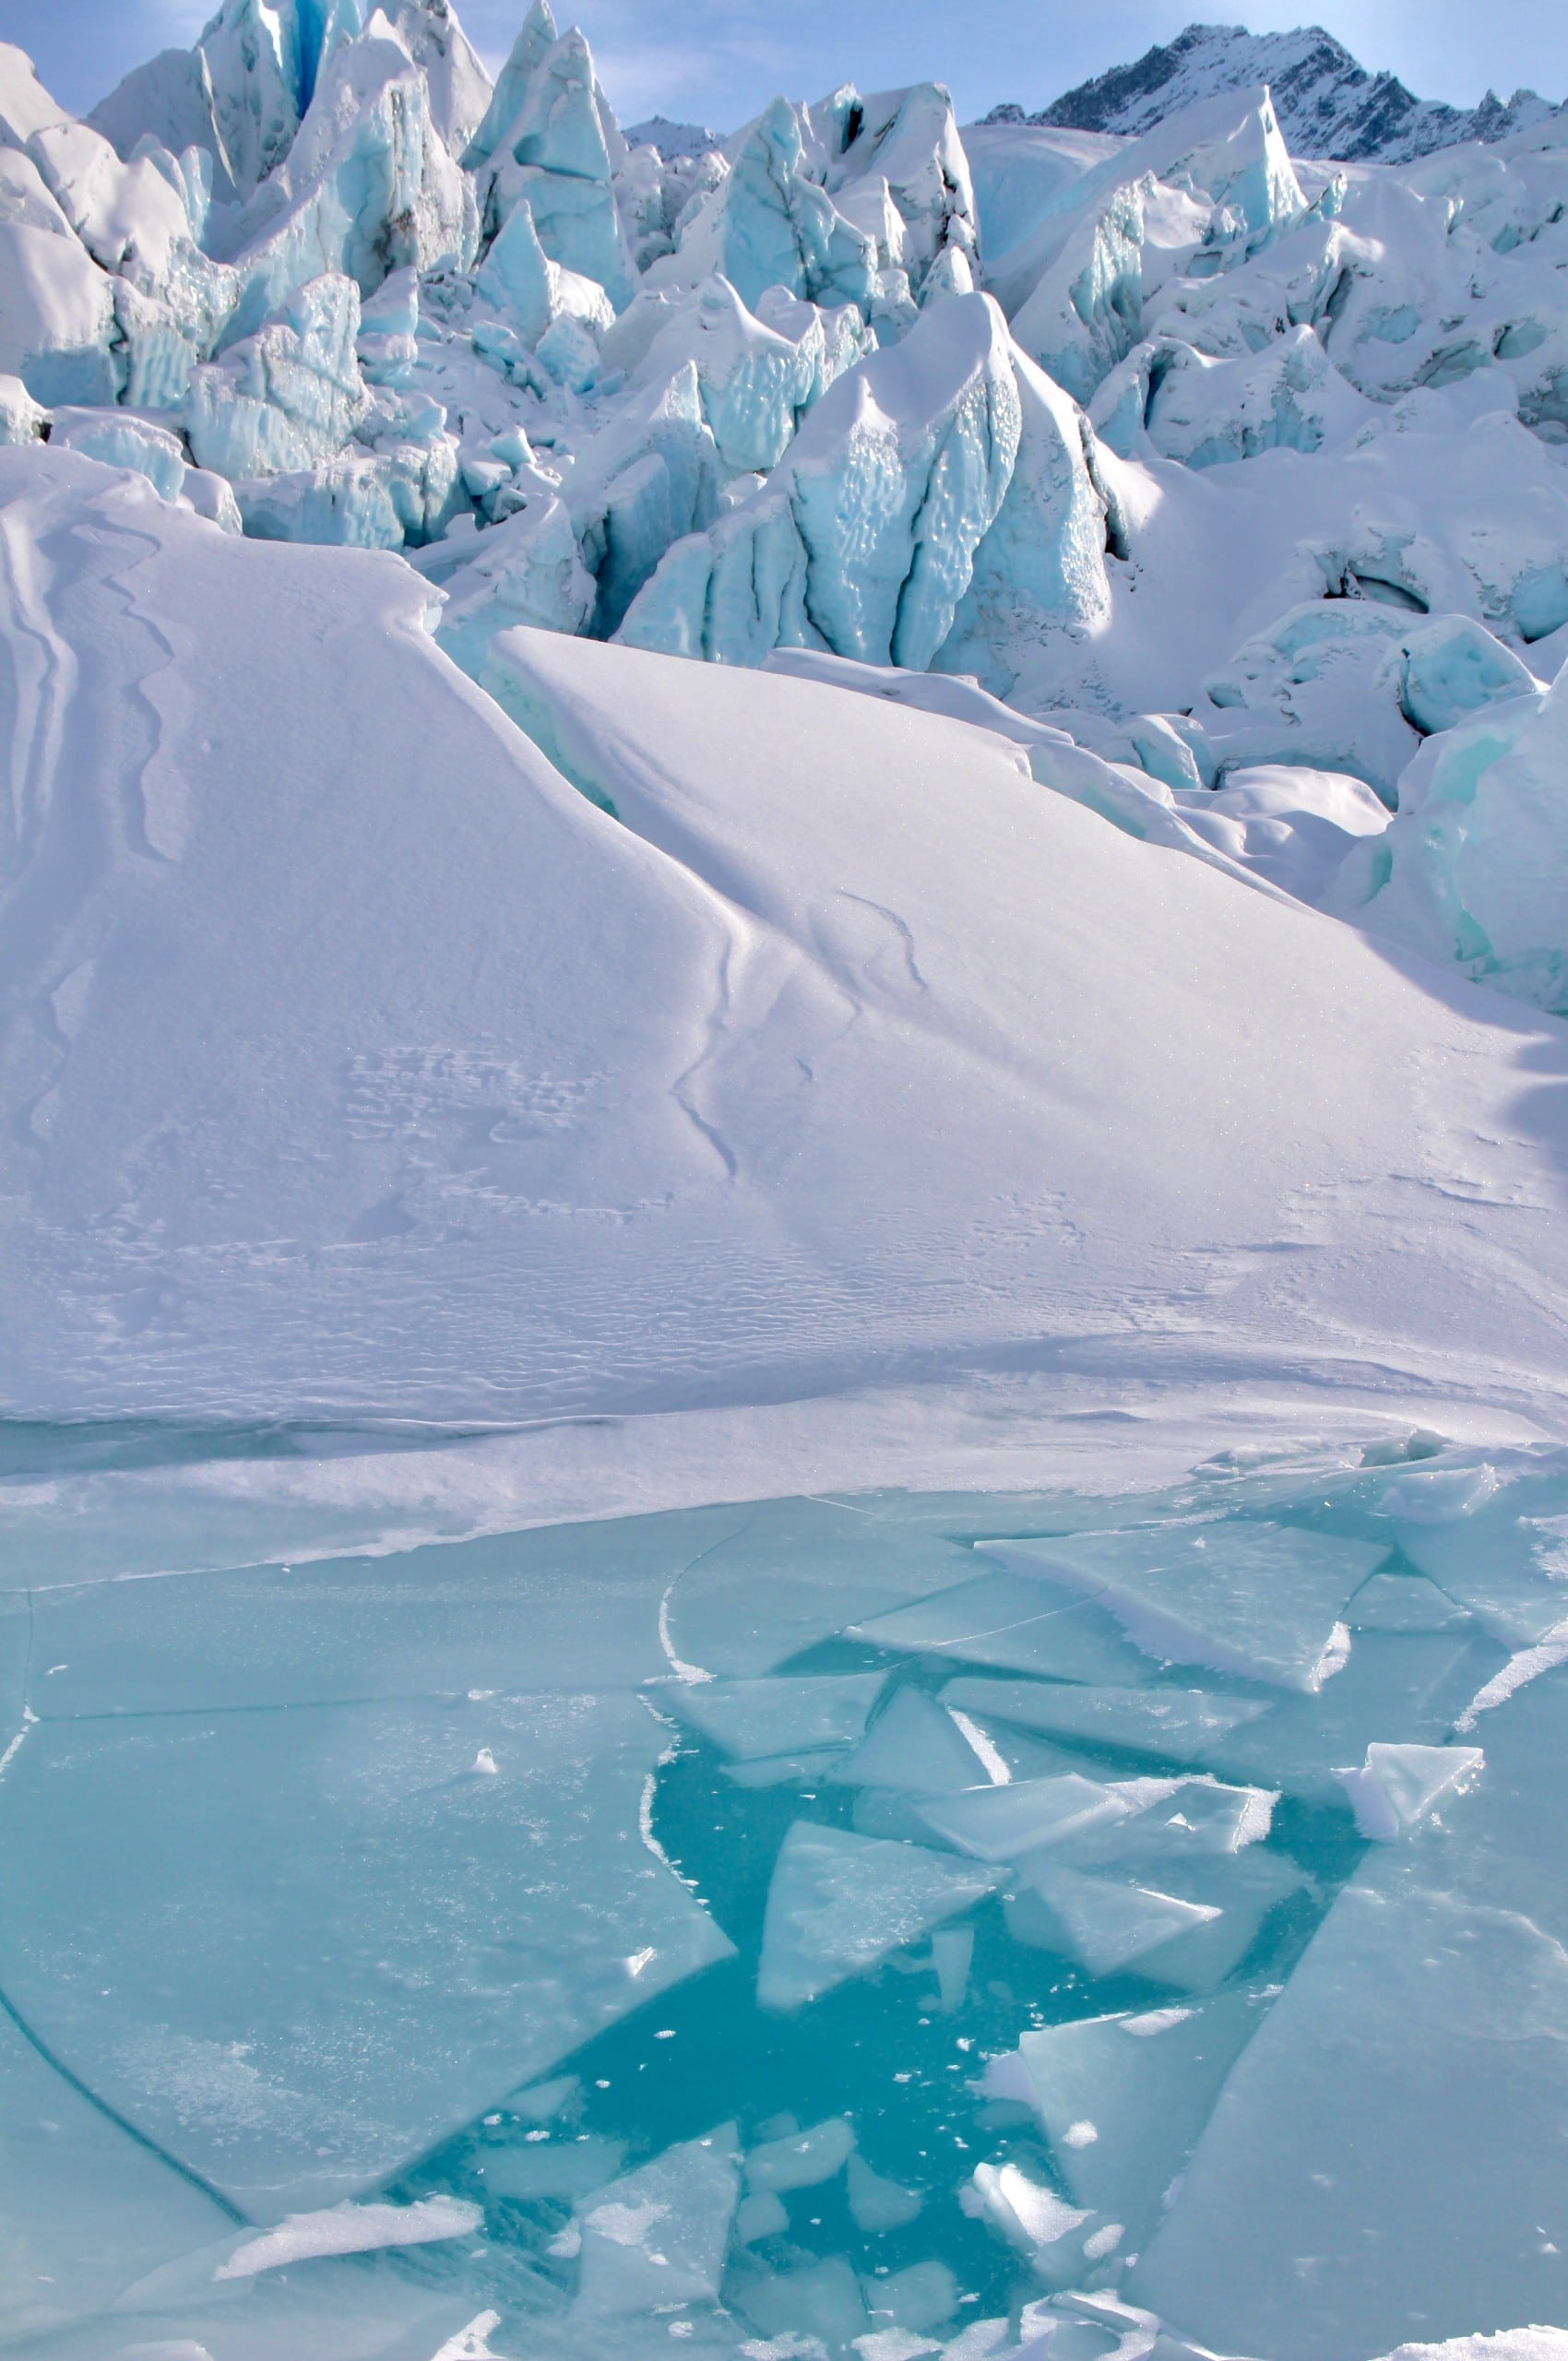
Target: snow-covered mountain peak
<point>1327,102</point>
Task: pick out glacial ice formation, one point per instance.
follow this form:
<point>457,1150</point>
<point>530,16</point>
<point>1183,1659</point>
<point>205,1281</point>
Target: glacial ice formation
<point>863,538</point>
<point>287,395</point>
<point>550,141</point>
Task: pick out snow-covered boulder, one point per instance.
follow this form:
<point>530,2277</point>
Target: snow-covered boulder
<point>119,439</point>
<point>287,397</point>
<point>1475,866</point>
<point>57,325</point>
<point>863,538</point>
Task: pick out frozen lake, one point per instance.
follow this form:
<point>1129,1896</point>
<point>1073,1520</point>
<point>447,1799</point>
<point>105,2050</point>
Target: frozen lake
<point>883,1924</point>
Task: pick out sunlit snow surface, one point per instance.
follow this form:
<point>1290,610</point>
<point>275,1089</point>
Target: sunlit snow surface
<point>871,1925</point>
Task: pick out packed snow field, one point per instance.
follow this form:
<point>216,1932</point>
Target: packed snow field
<point>784,1031</point>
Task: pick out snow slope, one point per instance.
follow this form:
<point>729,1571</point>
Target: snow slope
<point>862,1051</point>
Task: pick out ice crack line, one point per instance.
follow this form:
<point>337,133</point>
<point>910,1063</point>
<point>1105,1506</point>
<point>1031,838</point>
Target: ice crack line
<point>36,2041</point>
<point>143,2140</point>
<point>689,1675</point>
<point>29,1716</point>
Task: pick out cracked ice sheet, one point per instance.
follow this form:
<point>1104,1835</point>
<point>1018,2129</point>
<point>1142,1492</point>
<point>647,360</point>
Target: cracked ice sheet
<point>1419,2057</point>
<point>1387,2163</point>
<point>84,2210</point>
<point>296,1948</point>
<point>1259,1600</point>
<point>573,1608</point>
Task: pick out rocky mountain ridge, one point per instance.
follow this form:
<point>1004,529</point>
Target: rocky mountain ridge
<point>1327,102</point>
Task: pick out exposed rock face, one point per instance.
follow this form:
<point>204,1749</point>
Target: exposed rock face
<point>1327,103</point>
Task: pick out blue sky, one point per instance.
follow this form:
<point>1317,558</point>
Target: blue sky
<point>718,60</point>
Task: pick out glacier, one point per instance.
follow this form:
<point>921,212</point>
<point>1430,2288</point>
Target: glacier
<point>784,1389</point>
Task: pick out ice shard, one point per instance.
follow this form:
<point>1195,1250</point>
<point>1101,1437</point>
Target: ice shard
<point>839,1903</point>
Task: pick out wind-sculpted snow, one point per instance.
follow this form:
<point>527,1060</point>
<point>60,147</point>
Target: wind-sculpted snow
<point>649,1164</point>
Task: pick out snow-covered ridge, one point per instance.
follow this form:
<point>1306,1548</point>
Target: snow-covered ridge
<point>1328,104</point>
